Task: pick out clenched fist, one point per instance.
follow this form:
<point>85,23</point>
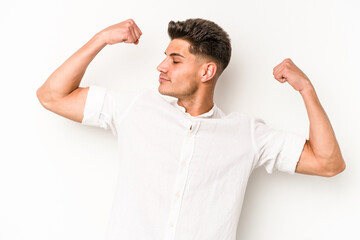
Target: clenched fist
<point>126,31</point>
<point>287,71</point>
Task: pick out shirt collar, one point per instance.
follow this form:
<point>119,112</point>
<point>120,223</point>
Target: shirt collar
<point>208,114</point>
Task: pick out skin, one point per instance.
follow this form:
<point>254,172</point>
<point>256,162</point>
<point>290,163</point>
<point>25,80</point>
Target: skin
<point>191,78</point>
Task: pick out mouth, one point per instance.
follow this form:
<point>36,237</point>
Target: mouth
<point>163,79</point>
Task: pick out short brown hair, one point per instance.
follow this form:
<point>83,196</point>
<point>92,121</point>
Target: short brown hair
<point>207,39</point>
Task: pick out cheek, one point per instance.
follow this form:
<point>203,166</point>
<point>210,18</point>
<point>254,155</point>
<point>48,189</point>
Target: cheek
<point>189,72</point>
<point>184,74</point>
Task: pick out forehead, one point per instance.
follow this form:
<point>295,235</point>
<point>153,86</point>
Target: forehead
<point>179,46</point>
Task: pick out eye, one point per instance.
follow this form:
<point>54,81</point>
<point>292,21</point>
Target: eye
<point>175,62</point>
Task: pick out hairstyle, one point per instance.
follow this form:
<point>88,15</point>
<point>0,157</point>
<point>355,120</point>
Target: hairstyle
<point>206,38</point>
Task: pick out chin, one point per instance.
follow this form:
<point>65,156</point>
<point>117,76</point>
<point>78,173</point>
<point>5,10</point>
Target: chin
<point>164,91</point>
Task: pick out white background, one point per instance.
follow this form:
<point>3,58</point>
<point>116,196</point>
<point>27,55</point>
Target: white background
<point>57,177</point>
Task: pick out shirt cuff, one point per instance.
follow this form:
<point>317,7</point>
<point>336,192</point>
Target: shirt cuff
<point>293,148</point>
<point>93,105</point>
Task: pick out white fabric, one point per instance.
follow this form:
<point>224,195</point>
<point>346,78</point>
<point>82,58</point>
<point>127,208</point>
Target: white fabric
<point>177,183</point>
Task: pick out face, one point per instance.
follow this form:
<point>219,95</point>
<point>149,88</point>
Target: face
<point>180,71</point>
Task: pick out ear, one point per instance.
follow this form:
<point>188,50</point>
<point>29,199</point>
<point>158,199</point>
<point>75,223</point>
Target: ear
<point>208,71</point>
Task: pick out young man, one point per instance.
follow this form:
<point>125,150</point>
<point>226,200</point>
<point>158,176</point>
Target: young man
<point>184,163</point>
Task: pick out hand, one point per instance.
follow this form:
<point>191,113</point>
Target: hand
<point>287,71</point>
<point>126,31</point>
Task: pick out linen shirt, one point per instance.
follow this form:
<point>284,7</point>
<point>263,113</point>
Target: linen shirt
<point>183,177</point>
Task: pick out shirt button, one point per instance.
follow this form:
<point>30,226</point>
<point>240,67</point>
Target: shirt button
<point>177,195</point>
<point>171,224</point>
<point>183,163</point>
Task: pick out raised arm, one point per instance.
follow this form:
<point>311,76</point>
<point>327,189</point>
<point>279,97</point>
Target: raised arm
<point>61,93</point>
<point>321,154</point>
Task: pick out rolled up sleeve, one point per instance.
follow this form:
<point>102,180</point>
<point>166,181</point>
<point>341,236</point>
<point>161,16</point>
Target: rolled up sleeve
<point>105,108</point>
<point>275,149</point>
<point>94,106</point>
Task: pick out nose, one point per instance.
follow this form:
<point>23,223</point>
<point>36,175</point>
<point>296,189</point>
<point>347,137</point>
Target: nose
<point>162,67</point>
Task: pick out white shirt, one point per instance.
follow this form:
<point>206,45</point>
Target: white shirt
<point>183,177</point>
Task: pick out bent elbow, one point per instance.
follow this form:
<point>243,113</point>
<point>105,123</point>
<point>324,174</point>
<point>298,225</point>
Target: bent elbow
<point>43,97</point>
<point>338,170</point>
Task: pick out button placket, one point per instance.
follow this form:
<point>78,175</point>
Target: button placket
<point>180,182</point>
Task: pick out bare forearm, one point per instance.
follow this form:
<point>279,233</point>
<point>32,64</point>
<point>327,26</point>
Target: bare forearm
<point>321,137</point>
<point>67,77</point>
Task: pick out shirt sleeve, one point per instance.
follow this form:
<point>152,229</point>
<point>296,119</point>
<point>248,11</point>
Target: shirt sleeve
<point>105,108</point>
<point>275,149</point>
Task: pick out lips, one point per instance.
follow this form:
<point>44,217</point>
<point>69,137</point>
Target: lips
<point>162,79</point>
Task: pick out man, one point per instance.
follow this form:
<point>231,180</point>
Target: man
<point>184,163</point>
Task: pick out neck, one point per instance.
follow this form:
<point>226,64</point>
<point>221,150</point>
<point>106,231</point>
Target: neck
<point>200,102</point>
<point>196,106</point>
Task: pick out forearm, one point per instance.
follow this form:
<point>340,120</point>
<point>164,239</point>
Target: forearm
<point>321,137</point>
<point>67,77</point>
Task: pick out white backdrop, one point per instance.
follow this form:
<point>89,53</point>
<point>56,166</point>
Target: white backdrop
<point>57,177</point>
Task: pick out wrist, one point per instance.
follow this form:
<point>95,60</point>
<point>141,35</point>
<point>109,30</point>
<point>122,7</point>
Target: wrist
<point>100,39</point>
<point>308,88</point>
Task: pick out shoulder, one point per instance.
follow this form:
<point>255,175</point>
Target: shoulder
<point>241,116</point>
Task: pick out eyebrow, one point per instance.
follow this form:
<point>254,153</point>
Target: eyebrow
<point>175,54</point>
